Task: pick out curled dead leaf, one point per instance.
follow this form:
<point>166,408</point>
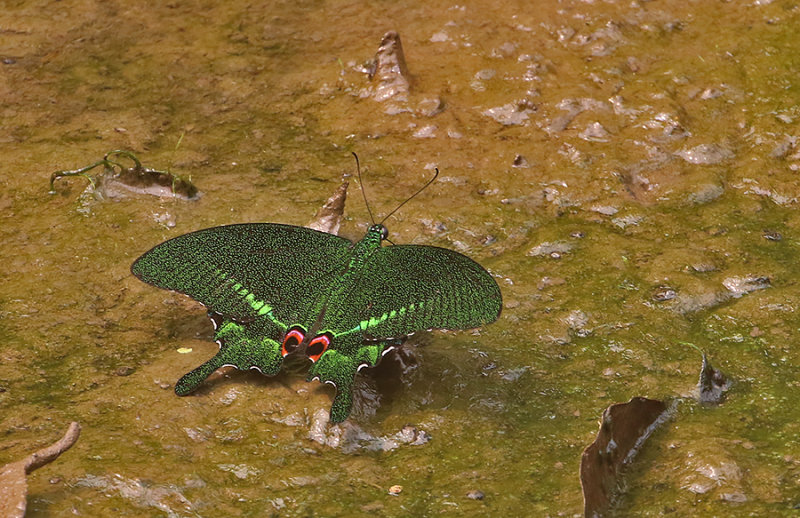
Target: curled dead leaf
<point>329,216</point>
<point>623,430</point>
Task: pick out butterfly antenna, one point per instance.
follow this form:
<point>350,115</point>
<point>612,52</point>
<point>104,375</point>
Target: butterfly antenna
<point>363,192</point>
<point>412,196</point>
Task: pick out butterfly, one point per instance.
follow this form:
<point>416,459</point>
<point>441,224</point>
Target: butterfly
<point>273,290</point>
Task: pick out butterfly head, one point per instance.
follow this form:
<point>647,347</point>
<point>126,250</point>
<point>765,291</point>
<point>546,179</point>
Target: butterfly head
<point>380,230</point>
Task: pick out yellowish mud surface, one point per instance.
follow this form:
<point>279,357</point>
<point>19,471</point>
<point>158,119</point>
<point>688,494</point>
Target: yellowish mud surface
<point>627,170</point>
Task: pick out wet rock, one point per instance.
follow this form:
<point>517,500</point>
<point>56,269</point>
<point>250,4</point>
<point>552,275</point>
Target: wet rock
<point>627,220</point>
<point>317,432</point>
<point>738,286</point>
<point>520,162</point>
<point>430,106</point>
<point>594,132</point>
<point>713,384</point>
<point>706,193</point>
<point>705,298</point>
<point>576,320</point>
<point>784,147</point>
<point>475,494</point>
<point>605,210</point>
<point>664,293</point>
<point>705,154</point>
<point>166,499</point>
<point>548,248</point>
<point>230,396</point>
<point>713,471</point>
<point>125,370</point>
<point>751,186</point>
<point>428,131</point>
<point>547,282</point>
<point>710,93</point>
<point>240,471</point>
<point>391,71</point>
<point>737,497</point>
<point>198,434</point>
<point>350,437</point>
<point>572,108</point>
<point>505,50</point>
<point>703,266</point>
<point>166,219</point>
<point>511,114</point>
<point>439,37</point>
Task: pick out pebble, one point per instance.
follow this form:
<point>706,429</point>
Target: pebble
<point>125,370</point>
<point>705,154</point>
<point>520,161</point>
<point>664,293</point>
<point>475,494</point>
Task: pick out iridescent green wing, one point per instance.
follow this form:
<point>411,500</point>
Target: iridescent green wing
<point>248,270</point>
<point>256,279</point>
<point>400,290</point>
<point>407,288</point>
<point>252,345</point>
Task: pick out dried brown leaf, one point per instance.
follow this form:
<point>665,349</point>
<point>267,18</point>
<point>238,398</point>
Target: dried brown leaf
<point>329,216</point>
<point>623,430</point>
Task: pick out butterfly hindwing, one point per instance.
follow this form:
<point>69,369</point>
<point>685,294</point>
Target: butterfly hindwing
<point>399,290</point>
<point>339,366</point>
<point>250,345</point>
<point>253,278</point>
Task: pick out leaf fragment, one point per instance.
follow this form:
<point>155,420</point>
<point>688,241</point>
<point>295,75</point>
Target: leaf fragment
<point>623,430</point>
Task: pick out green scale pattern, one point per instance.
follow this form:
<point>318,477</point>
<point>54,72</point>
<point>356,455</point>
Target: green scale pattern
<point>259,280</point>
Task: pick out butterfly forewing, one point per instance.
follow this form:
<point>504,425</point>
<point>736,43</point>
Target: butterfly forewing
<point>408,288</point>
<point>247,270</point>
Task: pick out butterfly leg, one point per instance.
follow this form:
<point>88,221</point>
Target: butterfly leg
<point>244,346</point>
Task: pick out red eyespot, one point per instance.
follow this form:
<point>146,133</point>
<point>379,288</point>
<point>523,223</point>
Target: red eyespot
<point>317,346</point>
<point>290,342</point>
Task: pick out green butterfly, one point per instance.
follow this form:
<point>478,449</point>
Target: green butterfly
<point>274,290</point>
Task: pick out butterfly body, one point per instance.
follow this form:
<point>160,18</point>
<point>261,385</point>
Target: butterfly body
<point>274,290</point>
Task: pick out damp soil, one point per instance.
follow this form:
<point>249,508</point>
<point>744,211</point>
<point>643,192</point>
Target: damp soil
<point>627,170</point>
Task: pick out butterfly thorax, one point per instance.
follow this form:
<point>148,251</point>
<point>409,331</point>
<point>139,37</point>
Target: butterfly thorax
<point>364,248</point>
<point>348,279</point>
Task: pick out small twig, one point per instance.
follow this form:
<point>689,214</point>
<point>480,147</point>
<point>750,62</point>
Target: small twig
<point>51,453</point>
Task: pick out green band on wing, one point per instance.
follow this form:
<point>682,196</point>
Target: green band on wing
<point>259,306</point>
